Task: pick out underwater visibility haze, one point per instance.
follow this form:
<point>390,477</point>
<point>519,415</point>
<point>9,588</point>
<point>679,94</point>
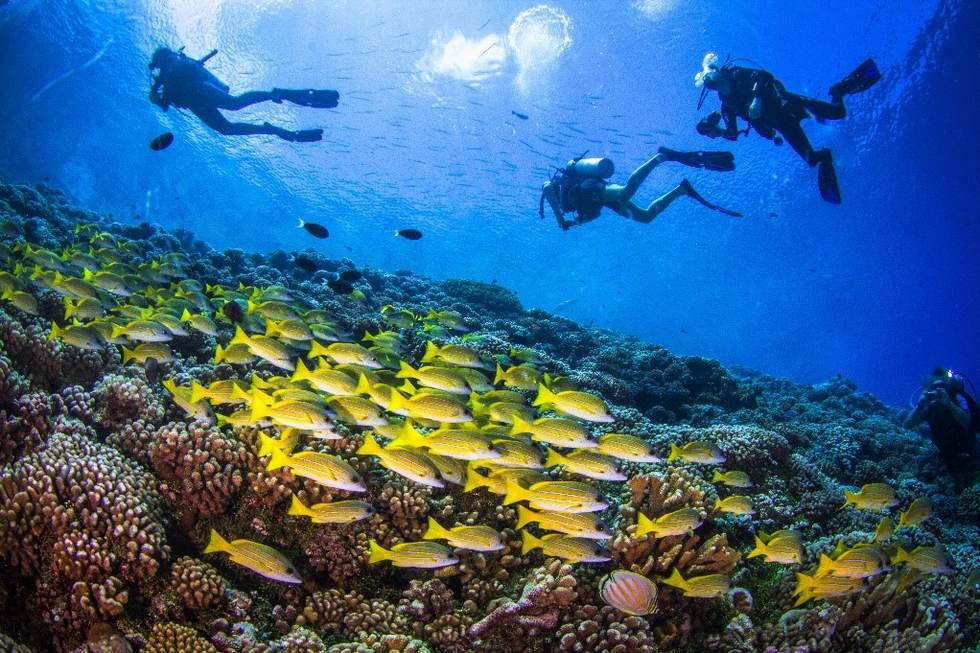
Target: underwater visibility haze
<point>478,331</point>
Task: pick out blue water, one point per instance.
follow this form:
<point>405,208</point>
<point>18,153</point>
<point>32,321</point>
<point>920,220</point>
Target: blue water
<point>880,289</point>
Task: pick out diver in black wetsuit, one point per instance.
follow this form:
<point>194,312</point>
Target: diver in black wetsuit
<point>756,96</point>
<point>186,83</point>
<point>953,416</point>
<point>581,187</point>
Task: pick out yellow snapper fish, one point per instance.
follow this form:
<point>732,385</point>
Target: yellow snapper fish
<point>379,393</point>
<point>333,512</point>
<point>436,407</point>
<point>556,545</point>
<point>451,470</point>
<point>107,281</point>
<point>699,587</point>
<point>144,351</point>
<point>735,505</point>
<point>272,310</point>
<point>494,396</point>
<point>496,481</point>
<point>298,414</point>
<point>324,469</point>
<point>198,410</point>
<point>234,354</point>
<point>440,378</point>
<point>821,587</point>
<point>884,530</point>
<point>555,431</point>
<point>678,522</point>
<point>475,480</point>
<point>403,462</point>
<point>399,317</point>
<point>262,559</point>
<point>859,562</point>
<point>76,335</point>
<point>919,511</point>
<point>769,537</point>
<point>471,538</point>
<point>218,393</point>
<point>83,309</point>
<point>504,412</point>
<point>927,559</point>
<point>286,442</point>
<point>575,404</point>
<point>199,322</point>
<point>520,377</point>
<point>698,451</point>
<point>325,379</point>
<point>73,287</point>
<point>560,496</point>
<point>418,555</point>
<point>584,524</point>
<point>629,592</point>
<point>474,379</point>
<point>586,463</point>
<point>143,331</point>
<point>732,478</point>
<point>558,383</point>
<point>872,496</point>
<point>346,353</point>
<point>461,444</point>
<point>268,349</point>
<point>22,300</point>
<point>783,550</point>
<point>357,411</point>
<point>457,355</point>
<point>514,453</point>
<point>626,447</point>
<point>288,330</point>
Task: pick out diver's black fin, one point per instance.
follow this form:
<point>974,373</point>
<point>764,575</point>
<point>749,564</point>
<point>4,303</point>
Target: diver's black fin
<point>308,97</point>
<point>717,161</point>
<point>861,79</point>
<point>308,135</point>
<point>827,181</point>
<point>696,196</point>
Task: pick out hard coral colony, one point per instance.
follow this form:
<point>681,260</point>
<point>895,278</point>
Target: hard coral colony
<point>200,452</point>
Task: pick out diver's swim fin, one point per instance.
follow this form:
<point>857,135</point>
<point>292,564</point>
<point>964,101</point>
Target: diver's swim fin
<point>717,161</point>
<point>827,181</point>
<point>861,79</point>
<point>307,135</point>
<point>696,196</point>
<point>308,97</point>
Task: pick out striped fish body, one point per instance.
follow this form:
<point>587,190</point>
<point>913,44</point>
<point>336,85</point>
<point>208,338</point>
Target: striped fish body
<point>629,592</point>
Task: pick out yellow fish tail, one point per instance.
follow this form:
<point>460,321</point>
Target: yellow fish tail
<point>370,447</point>
<point>804,583</point>
<point>473,480</point>
<point>277,459</point>
<point>297,507</point>
<point>518,426</point>
<point>217,544</point>
<point>848,499</point>
<point>718,477</point>
<point>435,531</point>
<point>676,580</point>
<point>500,377</point>
<point>128,355</point>
<point>405,371</point>
<point>803,598</point>
<point>514,493</point>
<point>644,525</point>
<point>675,452</point>
<point>198,392</point>
<point>363,385</point>
<point>219,354</point>
<point>760,547</point>
<point>266,445</point>
<point>825,566</point>
<point>378,553</point>
<point>901,555</point>
<point>240,338</point>
<point>545,396</point>
<point>431,352</point>
<point>554,458</point>
<point>301,373</point>
<point>529,542</point>
<point>525,516</point>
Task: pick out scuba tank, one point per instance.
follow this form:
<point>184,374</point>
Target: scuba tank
<point>600,167</point>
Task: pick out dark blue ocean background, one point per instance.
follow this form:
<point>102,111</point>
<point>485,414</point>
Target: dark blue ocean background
<point>880,289</point>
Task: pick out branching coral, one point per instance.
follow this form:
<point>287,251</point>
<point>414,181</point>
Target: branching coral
<point>548,591</point>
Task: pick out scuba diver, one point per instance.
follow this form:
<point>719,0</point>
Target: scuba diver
<point>953,416</point>
<point>581,187</point>
<point>756,96</point>
<point>187,84</point>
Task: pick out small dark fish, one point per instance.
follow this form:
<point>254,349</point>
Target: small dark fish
<point>233,311</point>
<point>340,286</point>
<point>410,234</point>
<point>350,275</point>
<point>314,229</point>
<point>522,116</point>
<point>162,141</point>
<point>304,262</point>
<point>773,215</point>
<point>683,330</point>
<point>152,369</point>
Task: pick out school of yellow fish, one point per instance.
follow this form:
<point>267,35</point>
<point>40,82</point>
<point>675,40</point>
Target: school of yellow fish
<point>454,417</point>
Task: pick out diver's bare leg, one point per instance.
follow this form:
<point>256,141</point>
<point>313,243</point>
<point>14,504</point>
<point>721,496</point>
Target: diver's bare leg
<point>638,177</point>
<point>656,207</point>
<point>213,119</point>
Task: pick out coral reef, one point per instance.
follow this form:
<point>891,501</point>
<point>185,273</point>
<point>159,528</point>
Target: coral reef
<point>110,484</point>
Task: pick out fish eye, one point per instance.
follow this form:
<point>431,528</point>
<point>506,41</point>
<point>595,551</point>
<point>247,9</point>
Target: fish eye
<point>356,478</point>
<point>490,447</point>
<point>370,510</point>
<point>600,526</point>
